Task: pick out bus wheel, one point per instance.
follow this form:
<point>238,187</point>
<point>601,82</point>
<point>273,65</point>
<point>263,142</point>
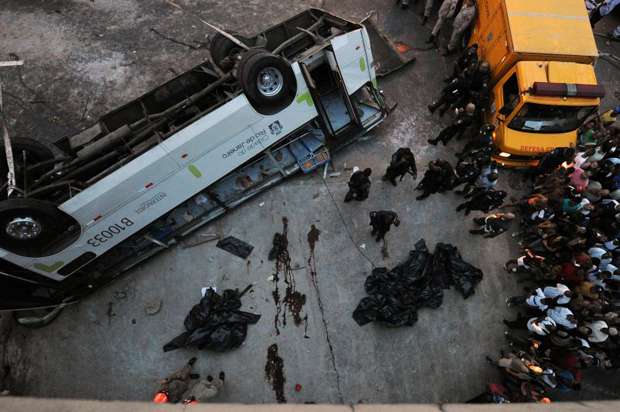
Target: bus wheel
<point>28,227</point>
<point>268,82</point>
<point>223,50</point>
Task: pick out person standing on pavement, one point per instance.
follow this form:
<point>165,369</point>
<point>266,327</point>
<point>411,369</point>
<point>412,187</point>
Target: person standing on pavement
<point>402,163</point>
<point>462,22</point>
<point>446,12</point>
<point>359,185</point>
<point>381,222</point>
<point>464,119</point>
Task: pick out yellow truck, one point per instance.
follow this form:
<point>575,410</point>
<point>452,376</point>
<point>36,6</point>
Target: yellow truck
<point>543,85</point>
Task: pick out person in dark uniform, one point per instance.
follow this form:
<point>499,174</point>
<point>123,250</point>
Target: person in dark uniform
<point>468,58</point>
<point>381,221</point>
<point>438,178</point>
<point>493,224</point>
<point>452,93</point>
<point>484,201</point>
<point>483,139</point>
<point>403,162</point>
<point>463,121</point>
<point>359,185</point>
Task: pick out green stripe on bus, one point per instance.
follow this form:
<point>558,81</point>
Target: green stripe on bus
<point>362,64</point>
<point>49,269</point>
<point>305,97</point>
<point>194,170</point>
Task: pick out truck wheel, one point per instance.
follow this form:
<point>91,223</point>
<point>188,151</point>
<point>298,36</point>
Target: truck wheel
<point>34,152</point>
<point>268,82</point>
<point>223,50</point>
<point>28,227</point>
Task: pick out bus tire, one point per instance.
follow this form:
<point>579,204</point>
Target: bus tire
<point>29,226</point>
<point>268,82</point>
<point>222,50</point>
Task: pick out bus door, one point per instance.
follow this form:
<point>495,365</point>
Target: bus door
<point>329,93</point>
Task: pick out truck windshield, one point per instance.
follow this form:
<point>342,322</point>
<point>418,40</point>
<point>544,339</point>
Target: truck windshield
<point>542,118</point>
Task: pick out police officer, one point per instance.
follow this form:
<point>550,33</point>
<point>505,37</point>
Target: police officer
<point>403,162</point>
<point>484,201</point>
<point>381,221</point>
<point>483,138</point>
<point>493,224</point>
<point>463,121</point>
<point>469,58</point>
<point>461,23</point>
<point>438,178</point>
<point>359,185</point>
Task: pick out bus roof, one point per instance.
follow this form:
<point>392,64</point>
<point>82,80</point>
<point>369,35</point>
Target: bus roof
<point>550,27</point>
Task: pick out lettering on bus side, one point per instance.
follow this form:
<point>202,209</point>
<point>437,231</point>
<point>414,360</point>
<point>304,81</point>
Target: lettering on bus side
<point>110,232</point>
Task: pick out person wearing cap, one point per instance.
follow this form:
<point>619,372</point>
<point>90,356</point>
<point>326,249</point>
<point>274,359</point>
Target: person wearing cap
<point>536,300</point>
<point>464,119</point>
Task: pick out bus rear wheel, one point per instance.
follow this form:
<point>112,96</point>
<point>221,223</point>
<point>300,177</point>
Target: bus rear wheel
<point>223,50</point>
<point>28,227</point>
<point>268,82</point>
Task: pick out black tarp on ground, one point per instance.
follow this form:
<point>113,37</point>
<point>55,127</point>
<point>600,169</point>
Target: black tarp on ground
<point>216,323</point>
<point>396,295</point>
<point>235,246</point>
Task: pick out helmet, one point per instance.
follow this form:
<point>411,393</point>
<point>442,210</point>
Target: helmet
<point>470,108</point>
<point>484,67</point>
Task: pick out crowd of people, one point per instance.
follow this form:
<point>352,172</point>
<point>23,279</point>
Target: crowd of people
<point>569,315</point>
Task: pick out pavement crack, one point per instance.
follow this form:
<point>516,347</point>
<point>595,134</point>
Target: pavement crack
<point>313,237</point>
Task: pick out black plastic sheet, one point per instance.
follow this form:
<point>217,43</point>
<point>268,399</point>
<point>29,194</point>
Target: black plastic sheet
<point>396,295</point>
<point>235,246</point>
<point>216,323</point>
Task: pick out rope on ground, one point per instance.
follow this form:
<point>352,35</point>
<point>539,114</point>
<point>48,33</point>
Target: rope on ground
<point>346,227</point>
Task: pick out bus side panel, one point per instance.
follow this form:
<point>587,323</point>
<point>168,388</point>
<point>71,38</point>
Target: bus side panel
<point>352,59</point>
<point>120,187</point>
<point>195,176</point>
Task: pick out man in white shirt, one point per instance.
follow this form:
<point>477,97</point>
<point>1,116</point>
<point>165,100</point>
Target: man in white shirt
<point>563,316</point>
<point>560,293</point>
<point>542,326</point>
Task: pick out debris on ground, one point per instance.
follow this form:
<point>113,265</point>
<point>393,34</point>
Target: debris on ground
<point>293,300</point>
<point>274,372</point>
<point>216,323</point>
<point>235,246</point>
<point>396,295</point>
<point>153,307</point>
<point>202,239</point>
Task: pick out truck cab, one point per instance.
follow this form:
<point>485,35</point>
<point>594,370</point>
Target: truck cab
<point>543,84</point>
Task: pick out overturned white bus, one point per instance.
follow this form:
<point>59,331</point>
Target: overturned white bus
<point>78,214</point>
